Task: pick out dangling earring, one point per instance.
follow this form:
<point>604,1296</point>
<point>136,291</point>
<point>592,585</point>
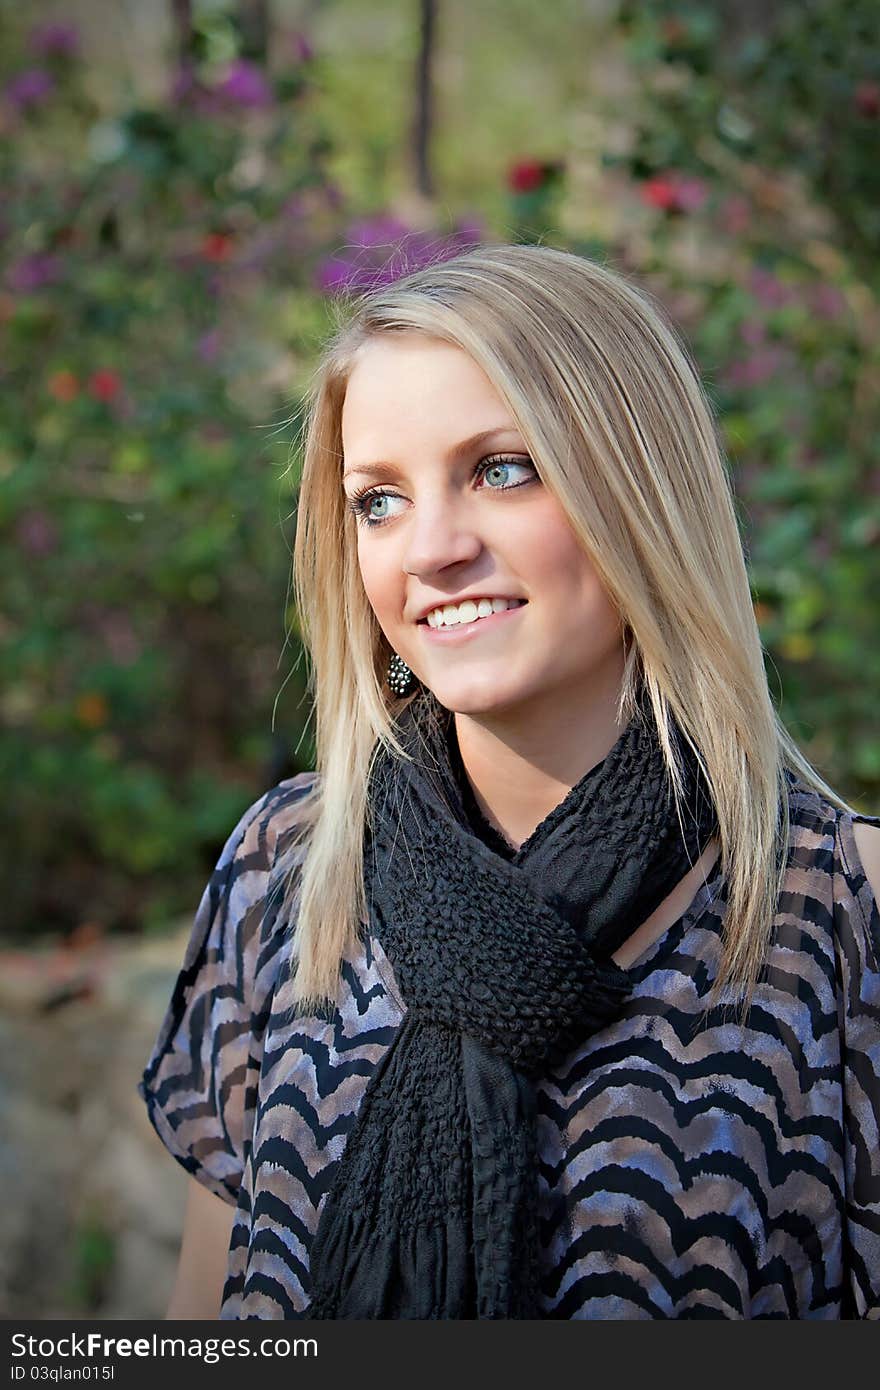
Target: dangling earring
<point>399,677</point>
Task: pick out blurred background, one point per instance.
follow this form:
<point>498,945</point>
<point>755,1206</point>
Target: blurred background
<point>188,185</point>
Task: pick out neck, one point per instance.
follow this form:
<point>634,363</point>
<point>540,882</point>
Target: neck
<point>522,763</point>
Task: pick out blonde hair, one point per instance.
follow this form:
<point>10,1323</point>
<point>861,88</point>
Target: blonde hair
<point>610,406</point>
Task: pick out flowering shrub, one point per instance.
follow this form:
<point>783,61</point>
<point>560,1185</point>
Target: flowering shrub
<point>163,290</point>
<point>754,153</point>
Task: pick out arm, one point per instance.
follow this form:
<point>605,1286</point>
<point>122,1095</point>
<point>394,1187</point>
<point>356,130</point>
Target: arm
<point>867,839</point>
<point>204,1250</point>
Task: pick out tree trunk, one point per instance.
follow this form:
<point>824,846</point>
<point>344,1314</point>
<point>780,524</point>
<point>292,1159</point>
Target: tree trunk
<point>253,22</point>
<point>182,17</point>
<point>424,99</point>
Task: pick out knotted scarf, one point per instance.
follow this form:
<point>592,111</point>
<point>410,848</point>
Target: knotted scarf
<point>502,960</point>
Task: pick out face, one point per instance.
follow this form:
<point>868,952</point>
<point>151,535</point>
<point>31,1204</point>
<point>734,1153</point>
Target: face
<point>449,509</point>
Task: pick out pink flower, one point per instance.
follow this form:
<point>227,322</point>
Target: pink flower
<point>52,40</point>
<point>29,88</point>
<point>33,272</point>
<point>691,194</point>
<point>302,49</point>
<point>826,301</point>
<point>768,289</point>
<point>735,215</point>
<point>752,332</point>
<point>673,192</point>
<point>760,367</point>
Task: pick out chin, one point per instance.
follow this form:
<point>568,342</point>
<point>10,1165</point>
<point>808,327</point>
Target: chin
<point>476,697</point>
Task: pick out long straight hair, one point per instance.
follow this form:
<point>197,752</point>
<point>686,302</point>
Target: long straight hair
<point>612,411</point>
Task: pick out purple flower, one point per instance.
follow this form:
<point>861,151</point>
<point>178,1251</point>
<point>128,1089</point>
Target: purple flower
<point>335,273</point>
<point>377,231</point>
<point>301,48</point>
<point>827,301</point>
<point>382,250</point>
<point>245,84</point>
<point>762,366</point>
<point>29,88</point>
<point>33,272</point>
<point>753,332</point>
<point>52,40</point>
<point>768,289</point>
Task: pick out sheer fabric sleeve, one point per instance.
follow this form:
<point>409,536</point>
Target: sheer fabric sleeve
<point>858,946</point>
<point>200,1083</point>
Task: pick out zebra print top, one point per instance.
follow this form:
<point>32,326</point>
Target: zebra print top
<point>688,1168</point>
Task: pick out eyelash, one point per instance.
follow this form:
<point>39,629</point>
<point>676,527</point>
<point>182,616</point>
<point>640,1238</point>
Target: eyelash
<point>359,501</point>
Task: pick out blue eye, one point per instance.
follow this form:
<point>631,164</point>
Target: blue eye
<point>360,502</point>
<point>504,466</point>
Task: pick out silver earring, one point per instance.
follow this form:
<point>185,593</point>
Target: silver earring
<point>399,677</point>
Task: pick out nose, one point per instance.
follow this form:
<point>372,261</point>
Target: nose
<point>439,534</point>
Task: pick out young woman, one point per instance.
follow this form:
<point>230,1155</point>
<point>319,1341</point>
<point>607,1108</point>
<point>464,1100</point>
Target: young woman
<point>554,992</point>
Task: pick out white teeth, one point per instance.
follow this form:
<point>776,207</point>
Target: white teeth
<point>451,614</point>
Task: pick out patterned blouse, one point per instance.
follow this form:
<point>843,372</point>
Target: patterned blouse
<point>687,1168</point>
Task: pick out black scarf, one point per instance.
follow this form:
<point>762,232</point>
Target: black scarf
<point>502,958</point>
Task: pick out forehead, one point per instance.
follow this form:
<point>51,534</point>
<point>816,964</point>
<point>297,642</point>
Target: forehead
<point>407,381</point>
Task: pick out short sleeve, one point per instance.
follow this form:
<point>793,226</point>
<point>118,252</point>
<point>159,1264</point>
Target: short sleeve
<point>858,945</point>
<point>200,1083</point>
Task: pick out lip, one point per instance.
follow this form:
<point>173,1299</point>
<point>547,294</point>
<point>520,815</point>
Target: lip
<point>466,632</point>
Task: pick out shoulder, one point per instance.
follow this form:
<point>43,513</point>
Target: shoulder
<point>251,857</point>
<point>277,812</point>
<point>270,824</point>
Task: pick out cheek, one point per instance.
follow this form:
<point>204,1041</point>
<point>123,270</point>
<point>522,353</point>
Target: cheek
<point>566,576</point>
<point>382,578</point>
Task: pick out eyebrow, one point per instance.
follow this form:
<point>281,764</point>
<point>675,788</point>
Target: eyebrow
<point>384,471</point>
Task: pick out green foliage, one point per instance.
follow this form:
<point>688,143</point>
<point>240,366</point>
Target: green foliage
<point>93,1260</point>
<point>163,294</point>
<point>755,150</point>
<point>159,304</point>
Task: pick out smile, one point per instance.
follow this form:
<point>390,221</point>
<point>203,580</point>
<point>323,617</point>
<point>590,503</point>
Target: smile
<point>465,631</point>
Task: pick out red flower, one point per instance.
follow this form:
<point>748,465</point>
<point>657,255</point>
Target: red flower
<point>659,192</point>
<point>105,384</point>
<point>868,99</point>
<point>526,176</point>
<point>63,386</point>
<point>216,246</point>
<point>672,192</point>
